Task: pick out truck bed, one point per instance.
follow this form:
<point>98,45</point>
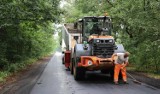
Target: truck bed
<point>68,35</point>
<point>71,29</point>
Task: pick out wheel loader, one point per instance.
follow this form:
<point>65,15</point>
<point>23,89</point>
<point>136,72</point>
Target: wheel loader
<point>90,46</point>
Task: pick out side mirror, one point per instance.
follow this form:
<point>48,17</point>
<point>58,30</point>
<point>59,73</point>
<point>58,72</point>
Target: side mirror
<point>62,52</point>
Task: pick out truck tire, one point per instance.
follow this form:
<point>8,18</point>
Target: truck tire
<point>63,60</point>
<point>71,68</point>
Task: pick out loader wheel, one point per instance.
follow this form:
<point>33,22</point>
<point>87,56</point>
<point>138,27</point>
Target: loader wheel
<point>104,71</point>
<point>79,73</point>
<point>120,75</point>
<point>112,75</point>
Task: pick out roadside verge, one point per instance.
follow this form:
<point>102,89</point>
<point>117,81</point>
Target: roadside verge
<point>23,81</point>
<point>142,77</point>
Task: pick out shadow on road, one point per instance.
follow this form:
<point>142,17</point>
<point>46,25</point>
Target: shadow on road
<point>94,77</point>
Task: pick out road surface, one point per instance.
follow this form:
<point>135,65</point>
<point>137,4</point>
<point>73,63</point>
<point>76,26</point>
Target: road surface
<point>55,79</point>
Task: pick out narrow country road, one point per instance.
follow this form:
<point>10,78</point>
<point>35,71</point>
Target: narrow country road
<point>57,80</point>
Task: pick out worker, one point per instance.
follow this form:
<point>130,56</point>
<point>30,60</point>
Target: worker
<point>121,61</point>
<point>95,29</point>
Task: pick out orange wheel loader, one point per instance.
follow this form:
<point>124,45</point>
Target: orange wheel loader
<point>90,46</point>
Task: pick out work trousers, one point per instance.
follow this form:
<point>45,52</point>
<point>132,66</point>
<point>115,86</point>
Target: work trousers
<point>117,69</point>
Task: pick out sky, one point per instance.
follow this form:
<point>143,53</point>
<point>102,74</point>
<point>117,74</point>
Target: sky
<point>62,3</point>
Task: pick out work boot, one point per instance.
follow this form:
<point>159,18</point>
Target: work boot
<point>116,83</point>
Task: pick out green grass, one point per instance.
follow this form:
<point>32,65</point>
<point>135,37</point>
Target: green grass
<point>3,74</point>
<point>148,74</point>
<point>154,75</point>
<point>16,67</point>
<point>12,68</point>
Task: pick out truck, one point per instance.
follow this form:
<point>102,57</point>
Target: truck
<point>89,46</point>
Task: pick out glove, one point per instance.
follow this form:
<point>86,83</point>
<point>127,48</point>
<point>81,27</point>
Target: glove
<point>123,66</point>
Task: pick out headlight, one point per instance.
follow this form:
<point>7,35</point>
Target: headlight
<point>98,40</point>
<point>89,62</point>
<point>110,40</point>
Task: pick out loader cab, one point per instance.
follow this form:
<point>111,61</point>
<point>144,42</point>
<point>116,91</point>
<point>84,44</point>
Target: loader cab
<point>95,26</point>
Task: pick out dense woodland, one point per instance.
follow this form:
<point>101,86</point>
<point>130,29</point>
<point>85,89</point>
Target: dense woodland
<point>26,29</point>
<point>135,21</point>
<point>26,32</point>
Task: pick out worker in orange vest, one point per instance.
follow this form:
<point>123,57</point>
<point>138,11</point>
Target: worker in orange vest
<point>120,61</point>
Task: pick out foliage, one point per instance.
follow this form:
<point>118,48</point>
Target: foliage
<point>3,74</point>
<point>26,31</point>
<point>140,32</point>
<point>80,8</point>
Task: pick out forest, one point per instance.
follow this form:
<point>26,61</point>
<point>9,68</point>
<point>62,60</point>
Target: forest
<point>26,32</point>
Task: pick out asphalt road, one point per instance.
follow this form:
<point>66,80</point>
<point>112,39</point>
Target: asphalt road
<point>55,79</point>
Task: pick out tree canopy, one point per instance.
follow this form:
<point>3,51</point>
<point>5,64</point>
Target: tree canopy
<point>26,29</point>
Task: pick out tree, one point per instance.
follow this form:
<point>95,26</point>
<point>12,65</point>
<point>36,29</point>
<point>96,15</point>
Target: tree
<point>26,29</point>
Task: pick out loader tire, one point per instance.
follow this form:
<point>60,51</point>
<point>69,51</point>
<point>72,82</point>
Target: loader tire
<point>112,75</point>
<point>79,73</point>
<point>104,71</point>
<point>120,75</point>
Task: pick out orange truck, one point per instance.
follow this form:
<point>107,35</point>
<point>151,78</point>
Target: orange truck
<point>89,46</point>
